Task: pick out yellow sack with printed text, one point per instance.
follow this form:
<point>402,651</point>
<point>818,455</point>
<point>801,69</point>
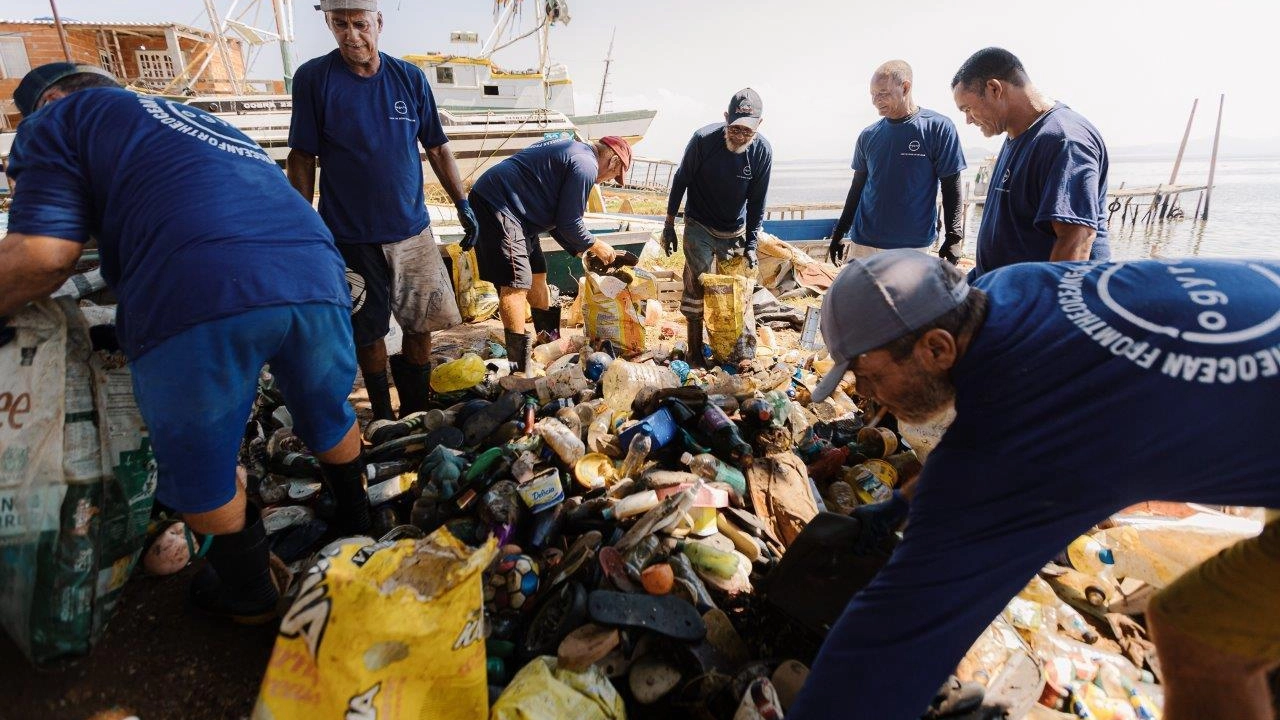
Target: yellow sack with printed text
<point>392,630</point>
<point>477,299</point>
<point>610,312</point>
<point>726,302</point>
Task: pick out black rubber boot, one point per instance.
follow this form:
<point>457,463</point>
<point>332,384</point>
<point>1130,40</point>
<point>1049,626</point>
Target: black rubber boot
<point>350,492</point>
<point>518,349</point>
<point>546,323</point>
<point>379,395</point>
<point>236,583</point>
<point>695,356</point>
<point>412,383</point>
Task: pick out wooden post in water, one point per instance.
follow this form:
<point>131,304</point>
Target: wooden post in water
<point>1213,159</point>
<point>1177,163</point>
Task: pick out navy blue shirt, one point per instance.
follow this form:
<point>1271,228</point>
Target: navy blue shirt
<point>1090,387</point>
<point>545,188</point>
<point>726,189</point>
<point>194,222</point>
<point>366,133</point>
<point>904,159</point>
<point>1055,171</point>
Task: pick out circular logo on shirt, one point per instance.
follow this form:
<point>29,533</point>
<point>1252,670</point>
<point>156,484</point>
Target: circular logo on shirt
<point>402,107</point>
<point>214,126</point>
<point>355,281</point>
<point>1200,321</point>
<point>914,145</point>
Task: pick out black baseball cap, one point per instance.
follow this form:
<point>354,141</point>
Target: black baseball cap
<point>38,81</point>
<point>745,108</point>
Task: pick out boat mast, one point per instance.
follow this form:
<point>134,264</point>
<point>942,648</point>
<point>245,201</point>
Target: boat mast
<point>604,81</point>
<point>284,28</point>
<point>220,40</point>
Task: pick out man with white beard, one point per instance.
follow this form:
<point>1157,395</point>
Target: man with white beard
<point>725,170</point>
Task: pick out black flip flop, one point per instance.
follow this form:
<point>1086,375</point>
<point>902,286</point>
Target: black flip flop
<point>663,614</point>
<point>485,421</point>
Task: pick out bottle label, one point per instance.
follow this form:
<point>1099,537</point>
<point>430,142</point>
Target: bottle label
<point>713,419</point>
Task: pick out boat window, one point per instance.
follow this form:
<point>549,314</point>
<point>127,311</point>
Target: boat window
<point>444,75</point>
<point>491,90</point>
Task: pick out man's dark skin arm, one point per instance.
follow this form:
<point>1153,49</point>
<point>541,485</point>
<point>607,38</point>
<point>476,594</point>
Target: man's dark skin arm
<point>300,168</point>
<point>446,169</point>
<point>32,267</point>
<point>952,219</point>
<point>845,222</point>
<point>1074,242</point>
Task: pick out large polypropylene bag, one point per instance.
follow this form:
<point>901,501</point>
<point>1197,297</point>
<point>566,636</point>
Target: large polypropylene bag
<point>543,691</point>
<point>393,631</point>
<point>610,312</point>
<point>727,313</point>
<point>74,501</point>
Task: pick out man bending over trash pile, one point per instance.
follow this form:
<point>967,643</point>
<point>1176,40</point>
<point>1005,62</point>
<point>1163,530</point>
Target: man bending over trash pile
<point>220,268</point>
<point>1079,389</point>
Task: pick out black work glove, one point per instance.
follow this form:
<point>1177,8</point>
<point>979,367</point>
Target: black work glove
<point>835,253</point>
<point>669,240</point>
<point>470,226</point>
<point>753,260</point>
<point>7,333</point>
<point>952,248</point>
<point>879,520</point>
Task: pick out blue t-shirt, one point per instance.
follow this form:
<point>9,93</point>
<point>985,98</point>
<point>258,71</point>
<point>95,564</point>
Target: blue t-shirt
<point>366,133</point>
<point>726,189</point>
<point>1055,171</point>
<point>545,188</point>
<point>1091,386</point>
<point>193,221</point>
<point>904,159</point>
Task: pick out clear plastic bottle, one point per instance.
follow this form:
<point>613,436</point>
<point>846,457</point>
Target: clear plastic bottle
<point>632,505</point>
<point>600,437</point>
<point>548,353</point>
<point>713,468</point>
<point>562,440</point>
<point>637,453</point>
<point>624,379</point>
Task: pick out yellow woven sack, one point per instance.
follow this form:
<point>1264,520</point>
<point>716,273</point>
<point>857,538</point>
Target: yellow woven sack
<point>477,299</point>
<point>609,312</point>
<point>725,301</point>
<point>393,631</point>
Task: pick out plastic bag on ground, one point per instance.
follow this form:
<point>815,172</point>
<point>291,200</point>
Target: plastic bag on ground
<point>392,630</point>
<point>542,691</point>
<point>461,374</point>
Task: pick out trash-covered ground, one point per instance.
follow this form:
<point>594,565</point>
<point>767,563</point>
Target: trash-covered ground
<point>624,534</point>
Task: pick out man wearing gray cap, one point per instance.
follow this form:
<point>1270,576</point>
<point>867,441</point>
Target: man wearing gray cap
<point>1033,355</point>
<point>362,114</point>
<point>725,170</point>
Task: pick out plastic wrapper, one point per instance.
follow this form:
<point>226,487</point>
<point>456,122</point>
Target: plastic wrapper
<point>543,691</point>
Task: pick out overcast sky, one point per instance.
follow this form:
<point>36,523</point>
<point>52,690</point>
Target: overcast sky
<point>1133,67</point>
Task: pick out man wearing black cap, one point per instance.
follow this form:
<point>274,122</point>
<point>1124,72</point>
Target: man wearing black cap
<point>215,278</point>
<point>361,114</point>
<point>542,188</point>
<point>1033,355</point>
<point>725,170</point>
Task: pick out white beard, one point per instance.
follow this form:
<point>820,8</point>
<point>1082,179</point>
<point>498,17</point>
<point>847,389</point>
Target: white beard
<point>736,149</point>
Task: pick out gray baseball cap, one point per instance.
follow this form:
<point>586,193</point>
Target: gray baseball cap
<point>746,108</point>
<point>367,5</point>
<point>878,299</point>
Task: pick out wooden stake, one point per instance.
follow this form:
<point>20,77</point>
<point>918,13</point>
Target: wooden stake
<point>62,33</point>
<point>1213,159</point>
<point>1177,163</point>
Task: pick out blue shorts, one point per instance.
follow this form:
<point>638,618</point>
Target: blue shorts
<point>196,390</point>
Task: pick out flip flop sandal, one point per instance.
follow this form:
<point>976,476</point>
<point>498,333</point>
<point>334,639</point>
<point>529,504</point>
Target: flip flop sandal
<point>296,541</point>
<point>663,614</point>
<point>615,568</point>
<point>557,615</point>
<point>586,646</point>
<point>403,532</point>
<point>651,678</point>
<point>787,679</point>
<point>273,521</point>
<point>583,549</point>
<point>485,421</point>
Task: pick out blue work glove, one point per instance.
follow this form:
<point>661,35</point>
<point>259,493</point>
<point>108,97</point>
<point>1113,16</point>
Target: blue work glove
<point>669,241</point>
<point>470,226</point>
<point>879,521</point>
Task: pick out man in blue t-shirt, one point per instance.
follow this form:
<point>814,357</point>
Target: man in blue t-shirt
<point>220,268</point>
<point>898,164</point>
<point>361,114</point>
<point>725,170</point>
<point>1048,194</point>
<point>542,188</point>
<point>1041,361</point>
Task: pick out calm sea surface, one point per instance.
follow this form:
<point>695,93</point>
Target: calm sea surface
<point>1244,218</point>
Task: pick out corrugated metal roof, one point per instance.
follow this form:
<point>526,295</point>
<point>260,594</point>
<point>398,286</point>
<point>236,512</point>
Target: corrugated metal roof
<point>109,25</point>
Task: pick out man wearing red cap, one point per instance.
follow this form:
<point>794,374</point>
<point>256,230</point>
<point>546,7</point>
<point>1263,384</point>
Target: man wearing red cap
<point>543,188</point>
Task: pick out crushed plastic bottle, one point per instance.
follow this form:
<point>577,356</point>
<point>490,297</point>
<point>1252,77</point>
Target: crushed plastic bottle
<point>548,353</point>
<point>566,444</point>
<point>712,468</point>
<point>637,452</point>
<point>624,379</point>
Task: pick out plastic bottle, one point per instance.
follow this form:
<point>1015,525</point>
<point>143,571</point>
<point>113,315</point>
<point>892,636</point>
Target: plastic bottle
<point>652,313</point>
<point>709,559</point>
<point>624,379</point>
<point>600,437</point>
<point>548,353</point>
<point>567,445</point>
<point>295,464</point>
<point>1089,556</point>
<point>632,505</point>
<point>725,439</point>
<point>375,472</point>
<point>637,452</point>
<point>713,468</point>
<point>756,414</point>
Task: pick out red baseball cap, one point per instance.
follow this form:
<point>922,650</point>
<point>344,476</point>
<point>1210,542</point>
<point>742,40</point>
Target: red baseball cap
<point>623,149</point>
